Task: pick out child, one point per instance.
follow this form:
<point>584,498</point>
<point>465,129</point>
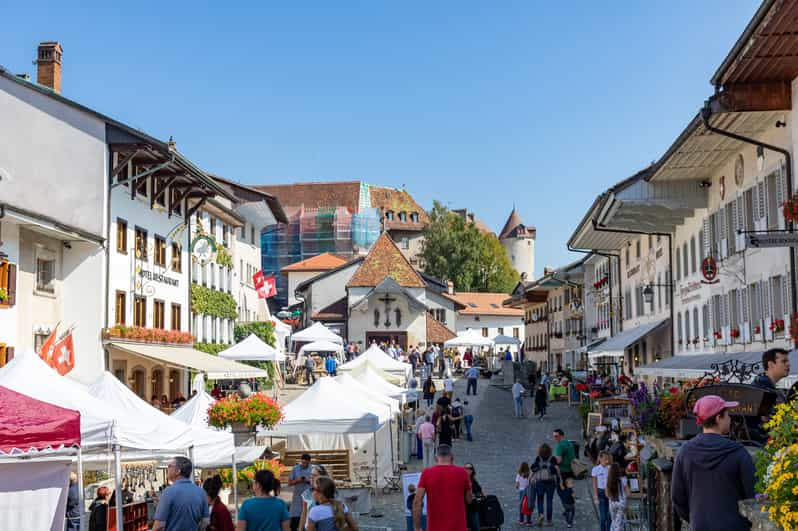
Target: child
<point>521,484</point>
<point>411,489</point>
<point>568,501</point>
<point>599,473</point>
<point>617,489</point>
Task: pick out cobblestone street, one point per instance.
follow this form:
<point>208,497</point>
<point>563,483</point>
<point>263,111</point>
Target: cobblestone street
<point>500,443</point>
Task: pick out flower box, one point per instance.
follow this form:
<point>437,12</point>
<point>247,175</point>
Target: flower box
<point>735,332</point>
<point>790,209</point>
<point>148,335</point>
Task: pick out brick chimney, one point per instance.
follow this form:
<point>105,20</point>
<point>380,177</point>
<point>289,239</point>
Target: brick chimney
<point>48,64</point>
<point>548,270</point>
<point>450,287</point>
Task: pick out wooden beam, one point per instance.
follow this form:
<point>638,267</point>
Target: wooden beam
<point>190,211</point>
<point>160,194</point>
<point>123,164</point>
<point>753,97</point>
<point>185,191</point>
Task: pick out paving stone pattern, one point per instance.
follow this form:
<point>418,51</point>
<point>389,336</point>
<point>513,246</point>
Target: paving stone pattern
<point>501,443</point>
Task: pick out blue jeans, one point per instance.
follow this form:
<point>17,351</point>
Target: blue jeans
<point>472,384</point>
<point>518,403</point>
<point>605,520</point>
<point>545,488</point>
<point>410,522</point>
<point>469,419</point>
<point>472,520</point>
<point>419,449</point>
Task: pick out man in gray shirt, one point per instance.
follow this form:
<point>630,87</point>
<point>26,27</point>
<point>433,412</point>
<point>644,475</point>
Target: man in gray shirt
<point>300,480</point>
<point>183,505</point>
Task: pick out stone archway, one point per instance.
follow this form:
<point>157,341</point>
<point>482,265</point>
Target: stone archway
<point>174,384</point>
<point>157,382</point>
<point>139,382</point>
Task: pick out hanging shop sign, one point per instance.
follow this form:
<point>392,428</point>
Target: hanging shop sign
<point>772,239</point>
<point>157,277</point>
<point>203,248</point>
<point>709,270</point>
<point>754,401</point>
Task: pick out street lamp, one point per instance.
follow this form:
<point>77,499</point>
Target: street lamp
<point>648,294</point>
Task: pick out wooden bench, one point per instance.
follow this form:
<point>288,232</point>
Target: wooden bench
<point>336,462</point>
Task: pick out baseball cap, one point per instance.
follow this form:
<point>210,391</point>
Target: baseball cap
<point>710,405</point>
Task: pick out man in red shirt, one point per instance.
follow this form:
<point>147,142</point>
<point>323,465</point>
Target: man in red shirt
<point>448,490</point>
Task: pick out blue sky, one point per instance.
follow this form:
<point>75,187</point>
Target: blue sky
<point>479,104</point>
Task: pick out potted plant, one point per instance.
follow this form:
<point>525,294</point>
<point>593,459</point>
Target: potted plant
<point>734,332</point>
<point>790,209</point>
<point>775,465</point>
<point>3,295</point>
<point>777,325</point>
<point>757,329</point>
<point>243,415</point>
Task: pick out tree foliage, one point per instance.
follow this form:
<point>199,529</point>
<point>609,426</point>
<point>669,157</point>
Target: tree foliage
<point>456,250</point>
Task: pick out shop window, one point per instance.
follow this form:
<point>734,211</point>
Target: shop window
<point>177,257</point>
<point>158,308</point>
<point>121,236</point>
<point>140,311</point>
<point>160,252</point>
<point>141,243</point>
<point>484,332</point>
<point>45,271</point>
<point>120,305</point>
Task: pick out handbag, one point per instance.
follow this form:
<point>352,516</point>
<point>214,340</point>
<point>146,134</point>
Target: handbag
<point>578,468</point>
<point>525,509</point>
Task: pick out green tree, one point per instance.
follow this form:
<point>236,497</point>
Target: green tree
<point>456,250</point>
<point>265,331</point>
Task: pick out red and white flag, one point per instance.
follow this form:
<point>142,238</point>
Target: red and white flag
<point>258,279</point>
<point>268,288</point>
<point>63,359</point>
<point>48,347</point>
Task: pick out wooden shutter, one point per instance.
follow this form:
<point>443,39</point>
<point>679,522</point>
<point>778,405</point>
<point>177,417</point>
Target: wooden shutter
<point>761,206</point>
<point>740,237</point>
<point>12,284</point>
<point>721,225</point>
<point>780,189</point>
<point>786,296</point>
<point>9,354</point>
<point>765,290</point>
<point>705,239</point>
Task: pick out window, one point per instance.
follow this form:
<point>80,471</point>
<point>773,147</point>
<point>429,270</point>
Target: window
<point>224,235</point>
<point>121,236</point>
<point>679,336</point>
<point>627,256</point>
<point>686,260</point>
<point>45,271</point>
<point>650,242</point>
<point>243,233</point>
<point>678,264</point>
<point>140,311</point>
<point>158,192</point>
<point>748,209</point>
<point>705,319</point>
<point>516,332</point>
<point>141,243</point>
<point>659,291</point>
<point>402,216</point>
<point>778,300</point>
<point>175,317</point>
<point>160,252</point>
<point>124,172</point>
<point>501,331</point>
<point>252,235</point>
<point>213,329</point>
<point>212,231</point>
<point>389,215</point>
<point>414,217</point>
<point>637,249</point>
<point>405,243</point>
<point>687,327</point>
<point>696,330</point>
<point>158,314</point>
<point>120,316</point>
<point>484,332</point>
<point>692,256</point>
<point>8,282</point>
<point>177,260</point>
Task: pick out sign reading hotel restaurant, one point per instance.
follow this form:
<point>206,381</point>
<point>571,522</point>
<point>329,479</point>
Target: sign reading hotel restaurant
<point>754,401</point>
<point>157,277</point>
<point>772,239</point>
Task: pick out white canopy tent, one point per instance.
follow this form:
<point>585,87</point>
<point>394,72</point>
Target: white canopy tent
<point>362,391</point>
<point>252,348</point>
<point>316,332</point>
<point>325,417</point>
<point>375,381</point>
<point>282,332</point>
<point>469,338</point>
<point>321,346</point>
<point>506,340</point>
<point>381,361</point>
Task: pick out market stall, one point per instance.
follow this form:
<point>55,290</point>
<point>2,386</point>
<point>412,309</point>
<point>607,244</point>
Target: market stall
<point>252,348</point>
<point>380,361</point>
<point>379,381</point>
<point>316,332</point>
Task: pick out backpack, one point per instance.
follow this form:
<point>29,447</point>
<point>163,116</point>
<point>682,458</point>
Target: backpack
<point>491,513</point>
<point>542,472</point>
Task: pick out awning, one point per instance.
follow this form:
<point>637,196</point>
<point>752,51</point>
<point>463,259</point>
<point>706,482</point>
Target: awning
<point>215,368</point>
<point>591,346</point>
<point>696,365</point>
<point>615,346</point>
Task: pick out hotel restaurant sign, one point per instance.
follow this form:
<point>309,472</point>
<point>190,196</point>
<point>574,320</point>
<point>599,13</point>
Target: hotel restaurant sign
<point>754,401</point>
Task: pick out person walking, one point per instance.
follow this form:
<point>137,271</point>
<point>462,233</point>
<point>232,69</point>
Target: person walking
<point>568,501</point>
<point>564,452</point>
<point>419,422</point>
<point>447,489</point>
<point>599,474</point>
<point>546,476</point>
<point>468,420</point>
<point>308,501</point>
<point>518,399</point>
<point>265,511</point>
<point>541,399</point>
<point>331,365</point>
<point>448,387</point>
<point>617,489</point>
<point>426,432</point>
<point>712,473</point>
<point>445,428</point>
<point>310,366</point>
<point>428,389</point>
<point>299,479</point>
<point>471,377</point>
<point>73,504</point>
<point>98,511</point>
<point>411,496</point>
<point>329,514</point>
<point>221,520</point>
<point>457,416</point>
<point>183,505</point>
<point>472,509</point>
<point>521,484</point>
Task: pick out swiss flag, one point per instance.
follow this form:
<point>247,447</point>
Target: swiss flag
<point>63,359</point>
<point>268,288</point>
<point>48,347</point>
<point>258,280</point>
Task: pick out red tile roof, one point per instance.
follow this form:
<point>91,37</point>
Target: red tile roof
<point>385,260</point>
<point>514,226</point>
<point>437,332</point>
<point>316,195</point>
<point>333,312</point>
<point>322,262</point>
<point>397,201</point>
<point>484,304</point>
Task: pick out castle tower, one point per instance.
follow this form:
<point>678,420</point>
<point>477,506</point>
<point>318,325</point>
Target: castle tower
<point>519,242</point>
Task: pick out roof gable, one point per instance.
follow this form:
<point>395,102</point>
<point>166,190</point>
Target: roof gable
<point>385,260</point>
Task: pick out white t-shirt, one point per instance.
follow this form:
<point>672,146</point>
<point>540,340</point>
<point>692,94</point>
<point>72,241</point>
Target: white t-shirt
<point>523,482</point>
<point>517,389</point>
<point>600,473</point>
<point>448,385</point>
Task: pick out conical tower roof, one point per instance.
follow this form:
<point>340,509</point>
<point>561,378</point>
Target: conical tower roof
<point>512,222</point>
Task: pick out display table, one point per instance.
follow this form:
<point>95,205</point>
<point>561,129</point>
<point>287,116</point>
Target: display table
<point>358,499</point>
<point>557,392</point>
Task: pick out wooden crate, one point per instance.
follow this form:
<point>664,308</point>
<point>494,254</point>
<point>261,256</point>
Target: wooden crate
<point>336,462</point>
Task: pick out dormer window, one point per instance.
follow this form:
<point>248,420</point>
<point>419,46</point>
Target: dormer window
<point>403,216</point>
<point>389,215</point>
<point>414,217</point>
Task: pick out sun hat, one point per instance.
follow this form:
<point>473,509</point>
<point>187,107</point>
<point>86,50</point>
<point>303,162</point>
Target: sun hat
<point>709,406</point>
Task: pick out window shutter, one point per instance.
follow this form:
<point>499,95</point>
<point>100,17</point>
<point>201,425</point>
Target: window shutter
<point>721,224</point>
<point>739,225</point>
<point>705,239</point>
<point>760,194</point>
<point>780,186</point>
<point>786,294</point>
<point>12,284</point>
<point>9,354</point>
<point>765,289</point>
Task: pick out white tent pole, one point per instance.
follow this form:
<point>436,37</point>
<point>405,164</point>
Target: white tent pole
<point>390,434</point>
<point>374,510</point>
<point>118,483</point>
<point>235,484</point>
<point>193,467</point>
<point>81,501</point>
